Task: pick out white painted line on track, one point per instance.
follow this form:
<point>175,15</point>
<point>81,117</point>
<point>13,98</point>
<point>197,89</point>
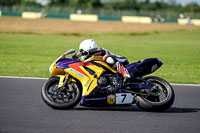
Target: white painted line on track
<point>175,84</point>
<point>13,77</point>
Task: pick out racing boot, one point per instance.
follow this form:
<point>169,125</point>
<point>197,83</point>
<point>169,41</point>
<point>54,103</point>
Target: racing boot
<point>122,70</point>
<point>127,79</point>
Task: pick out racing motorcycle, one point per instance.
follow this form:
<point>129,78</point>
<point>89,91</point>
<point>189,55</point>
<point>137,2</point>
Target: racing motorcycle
<point>93,83</point>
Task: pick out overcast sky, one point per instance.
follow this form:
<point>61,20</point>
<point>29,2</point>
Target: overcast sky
<point>43,2</point>
<point>183,2</point>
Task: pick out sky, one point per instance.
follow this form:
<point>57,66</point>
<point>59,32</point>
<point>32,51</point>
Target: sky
<point>183,2</point>
<point>43,2</point>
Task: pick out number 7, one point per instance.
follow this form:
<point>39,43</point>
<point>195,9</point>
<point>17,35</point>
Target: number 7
<point>124,95</point>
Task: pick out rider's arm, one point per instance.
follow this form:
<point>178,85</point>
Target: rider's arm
<point>98,51</point>
<point>94,51</point>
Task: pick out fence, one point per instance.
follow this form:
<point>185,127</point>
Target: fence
<point>103,14</point>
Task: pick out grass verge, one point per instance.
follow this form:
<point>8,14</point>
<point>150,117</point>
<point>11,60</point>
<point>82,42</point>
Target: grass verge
<point>31,54</point>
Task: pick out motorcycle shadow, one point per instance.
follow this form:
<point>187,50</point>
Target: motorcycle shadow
<point>136,109</point>
<point>182,110</point>
<point>114,108</point>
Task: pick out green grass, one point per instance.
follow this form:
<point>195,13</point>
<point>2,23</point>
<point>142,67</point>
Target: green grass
<point>31,54</point>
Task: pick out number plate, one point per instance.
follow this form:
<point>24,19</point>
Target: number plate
<point>124,98</point>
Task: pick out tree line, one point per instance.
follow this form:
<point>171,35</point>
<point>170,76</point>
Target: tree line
<point>137,5</point>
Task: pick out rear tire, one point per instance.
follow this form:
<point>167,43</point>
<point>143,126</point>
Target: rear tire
<point>54,98</point>
<point>153,104</point>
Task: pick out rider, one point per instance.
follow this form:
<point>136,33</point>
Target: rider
<point>89,48</point>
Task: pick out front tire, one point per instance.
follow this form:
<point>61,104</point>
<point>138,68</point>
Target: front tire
<point>60,99</point>
<point>155,103</point>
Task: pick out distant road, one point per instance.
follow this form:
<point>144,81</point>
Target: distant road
<point>22,110</point>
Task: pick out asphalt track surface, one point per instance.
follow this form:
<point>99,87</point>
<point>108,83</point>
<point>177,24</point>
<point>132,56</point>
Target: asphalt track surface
<point>22,110</point>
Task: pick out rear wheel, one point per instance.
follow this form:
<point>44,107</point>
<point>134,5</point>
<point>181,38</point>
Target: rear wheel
<point>162,99</point>
<point>61,98</point>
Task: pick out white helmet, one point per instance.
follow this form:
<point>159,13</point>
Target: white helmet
<point>86,45</point>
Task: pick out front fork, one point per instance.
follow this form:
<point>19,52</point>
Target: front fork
<point>65,87</point>
<point>64,80</point>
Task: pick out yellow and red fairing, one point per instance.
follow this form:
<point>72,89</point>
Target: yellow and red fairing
<point>88,81</point>
<point>78,70</point>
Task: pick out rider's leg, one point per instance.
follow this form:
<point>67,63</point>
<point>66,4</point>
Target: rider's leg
<point>121,69</point>
<point>109,59</point>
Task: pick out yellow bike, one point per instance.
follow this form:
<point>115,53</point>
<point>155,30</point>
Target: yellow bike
<point>93,82</point>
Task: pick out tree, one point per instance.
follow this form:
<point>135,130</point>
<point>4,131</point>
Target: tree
<point>10,2</point>
<point>89,3</point>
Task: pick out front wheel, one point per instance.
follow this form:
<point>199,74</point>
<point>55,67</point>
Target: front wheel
<point>163,98</point>
<point>61,98</point>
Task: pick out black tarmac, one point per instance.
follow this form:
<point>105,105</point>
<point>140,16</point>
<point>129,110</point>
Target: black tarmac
<point>23,110</point>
